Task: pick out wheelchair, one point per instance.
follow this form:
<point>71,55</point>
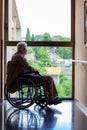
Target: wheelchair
<point>27,89</point>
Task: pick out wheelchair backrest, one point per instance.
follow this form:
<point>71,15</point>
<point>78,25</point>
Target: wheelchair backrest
<point>13,70</point>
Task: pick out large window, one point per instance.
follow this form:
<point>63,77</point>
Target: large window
<point>48,28</point>
<point>53,61</point>
<point>40,20</point>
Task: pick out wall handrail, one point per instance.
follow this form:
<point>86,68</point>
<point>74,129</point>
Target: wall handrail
<point>80,61</point>
<point>74,61</point>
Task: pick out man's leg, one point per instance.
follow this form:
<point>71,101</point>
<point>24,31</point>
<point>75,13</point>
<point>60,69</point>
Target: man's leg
<point>53,94</point>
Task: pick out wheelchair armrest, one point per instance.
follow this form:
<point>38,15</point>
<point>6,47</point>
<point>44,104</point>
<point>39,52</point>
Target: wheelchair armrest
<point>32,72</point>
<point>35,72</point>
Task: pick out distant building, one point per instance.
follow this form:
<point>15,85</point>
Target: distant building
<point>14,22</point>
<point>54,72</point>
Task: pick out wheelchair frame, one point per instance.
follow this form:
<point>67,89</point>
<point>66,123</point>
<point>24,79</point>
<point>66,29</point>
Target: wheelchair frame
<point>23,92</point>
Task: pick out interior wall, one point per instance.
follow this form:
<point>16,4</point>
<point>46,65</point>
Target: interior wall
<point>80,53</point>
<point>0,49</point>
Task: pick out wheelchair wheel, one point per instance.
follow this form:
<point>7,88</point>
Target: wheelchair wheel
<point>22,93</point>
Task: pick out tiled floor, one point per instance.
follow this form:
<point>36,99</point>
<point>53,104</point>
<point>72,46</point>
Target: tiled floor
<point>65,116</point>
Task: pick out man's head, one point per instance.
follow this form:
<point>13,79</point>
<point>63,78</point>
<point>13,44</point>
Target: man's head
<point>22,47</point>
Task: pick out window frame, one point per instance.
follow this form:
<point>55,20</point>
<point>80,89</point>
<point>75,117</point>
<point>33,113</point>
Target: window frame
<point>43,43</point>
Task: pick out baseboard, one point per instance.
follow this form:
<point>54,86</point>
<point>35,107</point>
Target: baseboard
<point>82,107</point>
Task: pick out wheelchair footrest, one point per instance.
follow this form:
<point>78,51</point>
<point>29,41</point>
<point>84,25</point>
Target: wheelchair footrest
<point>42,102</point>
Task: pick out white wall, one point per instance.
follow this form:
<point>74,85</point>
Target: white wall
<point>80,53</point>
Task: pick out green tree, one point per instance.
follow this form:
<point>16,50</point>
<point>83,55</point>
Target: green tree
<point>62,78</point>
<point>65,86</point>
<point>60,38</point>
<point>28,38</point>
<point>30,50</point>
<point>32,37</point>
<point>38,38</point>
<point>43,56</point>
<point>46,37</point>
<point>64,52</point>
<point>65,89</point>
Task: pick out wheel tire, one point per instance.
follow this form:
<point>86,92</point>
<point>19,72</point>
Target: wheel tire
<point>26,94</point>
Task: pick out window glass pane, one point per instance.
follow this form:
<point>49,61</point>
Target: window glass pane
<point>54,61</point>
<point>40,20</point>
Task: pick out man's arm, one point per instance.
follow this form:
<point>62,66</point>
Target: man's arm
<point>26,65</point>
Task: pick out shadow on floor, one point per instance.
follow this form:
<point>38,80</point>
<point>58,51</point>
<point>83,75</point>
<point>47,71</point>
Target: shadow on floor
<point>64,116</point>
<point>39,119</point>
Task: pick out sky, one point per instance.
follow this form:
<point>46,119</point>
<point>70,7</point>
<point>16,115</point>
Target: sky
<point>40,16</point>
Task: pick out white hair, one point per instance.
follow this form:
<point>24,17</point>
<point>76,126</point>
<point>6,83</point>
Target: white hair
<point>24,44</point>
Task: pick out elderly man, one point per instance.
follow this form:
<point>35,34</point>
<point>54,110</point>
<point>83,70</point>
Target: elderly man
<point>19,56</point>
